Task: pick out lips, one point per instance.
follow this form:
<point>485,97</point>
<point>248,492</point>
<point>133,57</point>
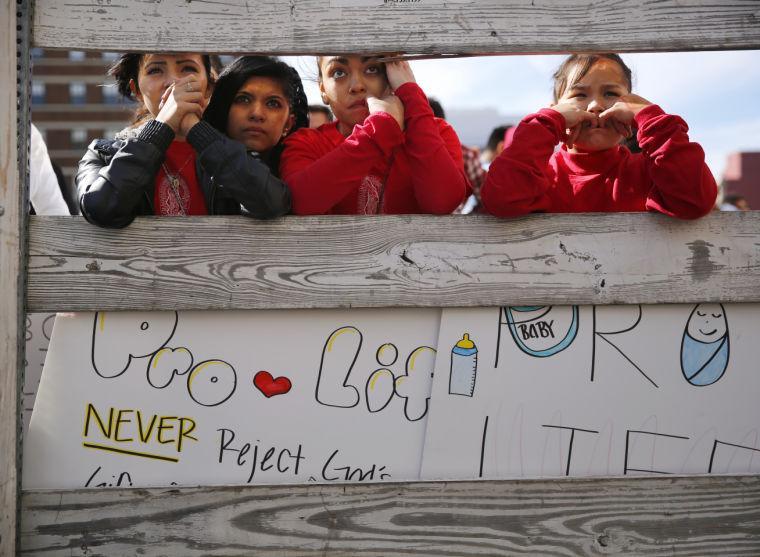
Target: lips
<point>254,130</point>
<point>359,104</point>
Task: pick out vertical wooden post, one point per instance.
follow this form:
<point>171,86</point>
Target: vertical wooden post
<point>14,123</point>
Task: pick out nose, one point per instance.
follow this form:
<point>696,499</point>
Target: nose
<point>170,76</point>
<point>256,112</point>
<point>596,106</point>
<point>356,84</point>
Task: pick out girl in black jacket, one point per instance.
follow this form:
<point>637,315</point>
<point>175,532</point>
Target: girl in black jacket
<point>170,162</point>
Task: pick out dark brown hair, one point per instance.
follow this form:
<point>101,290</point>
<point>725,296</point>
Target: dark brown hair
<point>235,76</point>
<point>575,66</point>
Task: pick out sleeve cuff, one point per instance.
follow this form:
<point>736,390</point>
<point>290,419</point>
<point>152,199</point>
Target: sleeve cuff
<point>414,99</point>
<point>554,118</point>
<point>157,133</point>
<point>202,135</point>
<point>410,89</point>
<point>646,114</point>
<point>387,129</point>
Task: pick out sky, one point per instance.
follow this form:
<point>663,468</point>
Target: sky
<point>717,93</point>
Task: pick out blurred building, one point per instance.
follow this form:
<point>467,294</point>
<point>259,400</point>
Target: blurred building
<point>73,102</point>
<point>742,177</point>
<point>474,125</point>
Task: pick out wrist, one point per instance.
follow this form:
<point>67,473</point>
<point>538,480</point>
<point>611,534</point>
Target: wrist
<point>647,113</point>
<point>157,133</point>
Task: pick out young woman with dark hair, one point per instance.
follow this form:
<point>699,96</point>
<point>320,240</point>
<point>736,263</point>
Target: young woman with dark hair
<point>258,101</point>
<point>384,153</point>
<point>169,162</point>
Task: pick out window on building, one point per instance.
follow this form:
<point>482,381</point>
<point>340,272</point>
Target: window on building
<point>38,92</point>
<point>77,92</point>
<point>78,138</point>
<point>110,56</point>
<point>110,94</point>
<point>37,53</point>
<point>76,55</point>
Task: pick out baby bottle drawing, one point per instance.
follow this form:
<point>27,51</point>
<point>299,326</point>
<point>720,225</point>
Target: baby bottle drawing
<point>464,367</point>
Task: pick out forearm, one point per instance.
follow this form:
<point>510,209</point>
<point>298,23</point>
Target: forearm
<point>238,174</point>
<point>682,184</point>
<point>109,194</point>
<point>434,153</point>
<point>520,178</point>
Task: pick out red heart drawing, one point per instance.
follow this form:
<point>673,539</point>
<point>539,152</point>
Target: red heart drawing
<point>270,386</point>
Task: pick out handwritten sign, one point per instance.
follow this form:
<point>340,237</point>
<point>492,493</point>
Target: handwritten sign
<point>158,399</point>
<point>39,327</point>
<point>588,391</point>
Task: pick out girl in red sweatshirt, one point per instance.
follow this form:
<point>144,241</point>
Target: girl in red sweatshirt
<point>593,112</point>
<point>385,153</point>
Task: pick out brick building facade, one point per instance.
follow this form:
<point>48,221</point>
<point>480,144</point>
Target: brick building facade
<point>742,177</point>
<point>73,102</point>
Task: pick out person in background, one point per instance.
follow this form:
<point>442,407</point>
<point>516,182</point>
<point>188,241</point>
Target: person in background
<point>494,145</point>
<point>384,153</point>
<point>169,162</point>
<point>258,101</point>
<point>45,194</point>
<point>593,111</point>
<point>734,202</point>
<point>319,114</point>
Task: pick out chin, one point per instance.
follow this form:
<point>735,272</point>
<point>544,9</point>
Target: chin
<point>597,144</point>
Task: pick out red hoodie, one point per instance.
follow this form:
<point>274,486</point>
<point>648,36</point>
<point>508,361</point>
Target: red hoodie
<point>378,168</point>
<point>669,175</point>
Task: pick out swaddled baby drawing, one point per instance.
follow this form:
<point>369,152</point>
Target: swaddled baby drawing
<point>705,345</point>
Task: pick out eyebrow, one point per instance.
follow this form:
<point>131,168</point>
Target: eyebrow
<point>344,60</point>
<point>611,84</point>
<point>163,62</point>
<point>244,91</point>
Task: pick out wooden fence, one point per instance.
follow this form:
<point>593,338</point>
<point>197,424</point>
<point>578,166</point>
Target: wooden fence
<point>365,262</point>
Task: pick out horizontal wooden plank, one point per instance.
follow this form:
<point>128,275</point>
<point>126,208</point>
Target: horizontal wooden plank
<point>422,26</point>
<point>644,516</point>
<point>349,261</point>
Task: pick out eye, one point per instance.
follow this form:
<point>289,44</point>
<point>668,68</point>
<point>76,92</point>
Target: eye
<point>241,99</point>
<point>614,94</point>
<point>154,70</point>
<point>190,69</point>
<point>337,73</point>
<point>274,103</point>
<point>578,96</point>
<point>701,314</point>
<point>716,316</point>
<point>374,69</point>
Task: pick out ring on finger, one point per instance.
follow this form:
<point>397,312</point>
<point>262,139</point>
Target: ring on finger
<point>189,87</point>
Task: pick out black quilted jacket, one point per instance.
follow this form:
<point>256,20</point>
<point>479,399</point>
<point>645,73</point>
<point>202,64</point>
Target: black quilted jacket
<point>116,177</point>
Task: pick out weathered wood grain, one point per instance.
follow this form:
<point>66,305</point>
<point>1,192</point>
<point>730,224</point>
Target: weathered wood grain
<point>696,516</point>
<point>12,246</point>
<point>321,262</point>
<point>437,26</point>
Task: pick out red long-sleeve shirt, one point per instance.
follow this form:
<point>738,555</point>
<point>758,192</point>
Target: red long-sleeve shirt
<point>669,175</point>
<point>378,168</point>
